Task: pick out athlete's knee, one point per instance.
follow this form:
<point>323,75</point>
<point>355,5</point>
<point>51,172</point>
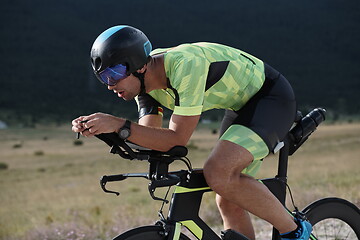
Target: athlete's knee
<point>212,173</point>
<point>215,175</point>
<point>225,164</point>
<point>221,176</point>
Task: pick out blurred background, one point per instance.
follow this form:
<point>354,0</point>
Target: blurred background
<point>49,185</point>
<point>45,45</point>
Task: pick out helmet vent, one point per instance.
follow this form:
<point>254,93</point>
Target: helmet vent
<point>147,48</point>
<point>96,63</point>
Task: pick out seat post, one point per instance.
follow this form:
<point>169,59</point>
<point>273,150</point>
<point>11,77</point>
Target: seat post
<point>282,177</point>
<point>283,167</point>
<point>283,160</point>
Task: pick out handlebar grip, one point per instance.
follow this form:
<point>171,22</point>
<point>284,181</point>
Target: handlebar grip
<point>113,178</point>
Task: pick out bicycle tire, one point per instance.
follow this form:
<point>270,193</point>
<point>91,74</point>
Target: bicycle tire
<point>146,233</point>
<point>334,218</point>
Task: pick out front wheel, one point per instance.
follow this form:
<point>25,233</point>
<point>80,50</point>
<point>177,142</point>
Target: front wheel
<point>146,233</point>
<point>334,218</point>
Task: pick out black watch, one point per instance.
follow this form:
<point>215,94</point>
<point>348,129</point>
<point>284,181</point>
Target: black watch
<point>125,132</point>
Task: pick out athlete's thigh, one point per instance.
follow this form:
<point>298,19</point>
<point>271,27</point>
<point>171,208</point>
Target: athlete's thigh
<point>226,160</point>
<point>267,117</point>
<point>227,156</point>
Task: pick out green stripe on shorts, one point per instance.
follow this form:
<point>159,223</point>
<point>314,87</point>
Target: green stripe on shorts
<point>252,142</point>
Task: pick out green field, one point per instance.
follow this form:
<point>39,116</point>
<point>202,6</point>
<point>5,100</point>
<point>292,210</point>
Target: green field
<point>50,186</point>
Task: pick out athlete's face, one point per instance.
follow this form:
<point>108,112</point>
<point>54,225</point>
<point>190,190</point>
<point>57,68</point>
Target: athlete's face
<point>127,88</point>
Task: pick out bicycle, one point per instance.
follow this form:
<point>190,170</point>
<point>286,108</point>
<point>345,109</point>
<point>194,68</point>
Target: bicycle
<point>340,215</point>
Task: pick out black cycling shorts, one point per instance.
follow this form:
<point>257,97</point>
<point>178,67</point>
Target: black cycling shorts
<point>270,114</point>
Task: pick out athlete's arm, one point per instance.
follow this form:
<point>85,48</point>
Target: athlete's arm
<point>154,137</point>
<point>151,120</point>
<point>162,139</point>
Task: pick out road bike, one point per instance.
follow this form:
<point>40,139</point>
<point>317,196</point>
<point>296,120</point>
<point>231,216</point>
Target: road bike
<point>332,218</point>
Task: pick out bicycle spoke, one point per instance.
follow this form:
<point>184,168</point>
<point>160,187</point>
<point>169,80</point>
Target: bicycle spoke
<point>333,229</point>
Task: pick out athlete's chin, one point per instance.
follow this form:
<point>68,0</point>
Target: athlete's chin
<point>125,98</point>
<point>128,97</point>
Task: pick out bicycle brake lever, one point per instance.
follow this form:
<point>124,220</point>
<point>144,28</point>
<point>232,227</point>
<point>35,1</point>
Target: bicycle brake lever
<point>162,183</point>
<point>104,179</point>
<point>107,191</point>
<point>152,194</point>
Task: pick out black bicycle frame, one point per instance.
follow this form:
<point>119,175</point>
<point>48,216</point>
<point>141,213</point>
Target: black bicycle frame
<point>188,193</point>
<point>277,185</point>
<point>185,206</point>
<point>186,200</point>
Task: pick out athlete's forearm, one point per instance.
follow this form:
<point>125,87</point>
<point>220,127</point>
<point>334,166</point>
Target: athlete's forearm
<point>161,139</point>
<point>154,137</point>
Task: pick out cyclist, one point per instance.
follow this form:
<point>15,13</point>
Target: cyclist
<point>190,79</point>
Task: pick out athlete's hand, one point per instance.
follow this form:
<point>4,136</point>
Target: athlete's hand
<point>97,123</point>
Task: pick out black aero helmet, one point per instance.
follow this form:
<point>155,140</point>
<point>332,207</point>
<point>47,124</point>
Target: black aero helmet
<point>121,44</point>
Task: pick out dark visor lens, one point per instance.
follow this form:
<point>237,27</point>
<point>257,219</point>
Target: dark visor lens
<point>112,75</point>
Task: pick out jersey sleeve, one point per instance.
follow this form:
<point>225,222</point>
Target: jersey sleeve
<point>188,79</point>
<point>148,105</point>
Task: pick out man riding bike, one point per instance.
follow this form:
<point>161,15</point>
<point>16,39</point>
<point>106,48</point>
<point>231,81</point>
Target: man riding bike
<point>190,79</point>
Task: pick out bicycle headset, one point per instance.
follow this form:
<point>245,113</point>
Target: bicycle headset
<point>118,52</point>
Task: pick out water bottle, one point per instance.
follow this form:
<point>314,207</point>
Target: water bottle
<point>305,127</point>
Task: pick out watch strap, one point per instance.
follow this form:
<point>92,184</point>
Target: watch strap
<point>125,131</point>
<point>127,124</point>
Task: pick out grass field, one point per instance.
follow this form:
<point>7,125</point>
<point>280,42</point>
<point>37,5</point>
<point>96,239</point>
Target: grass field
<point>49,186</point>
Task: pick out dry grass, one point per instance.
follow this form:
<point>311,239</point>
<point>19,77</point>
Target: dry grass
<point>50,188</point>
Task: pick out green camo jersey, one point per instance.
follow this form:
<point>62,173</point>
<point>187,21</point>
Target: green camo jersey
<point>204,76</point>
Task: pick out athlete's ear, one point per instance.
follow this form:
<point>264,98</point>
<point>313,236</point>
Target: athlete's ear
<point>143,69</point>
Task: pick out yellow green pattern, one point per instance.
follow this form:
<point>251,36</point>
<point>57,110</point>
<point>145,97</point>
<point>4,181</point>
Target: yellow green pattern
<point>187,66</point>
<point>194,228</point>
<point>248,139</point>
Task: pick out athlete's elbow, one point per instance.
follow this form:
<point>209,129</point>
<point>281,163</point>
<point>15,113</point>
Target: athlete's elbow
<point>172,139</point>
<point>177,141</point>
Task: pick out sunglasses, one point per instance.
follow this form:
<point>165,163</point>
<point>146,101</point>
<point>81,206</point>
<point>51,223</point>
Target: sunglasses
<point>112,75</point>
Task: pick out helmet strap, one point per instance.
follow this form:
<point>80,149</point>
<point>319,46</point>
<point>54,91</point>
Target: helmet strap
<point>141,77</point>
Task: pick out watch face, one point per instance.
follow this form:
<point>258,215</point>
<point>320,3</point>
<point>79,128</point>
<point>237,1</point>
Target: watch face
<point>124,133</point>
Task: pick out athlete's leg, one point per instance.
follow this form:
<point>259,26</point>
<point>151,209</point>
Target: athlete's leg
<point>234,217</point>
<point>249,134</point>
<point>223,174</point>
